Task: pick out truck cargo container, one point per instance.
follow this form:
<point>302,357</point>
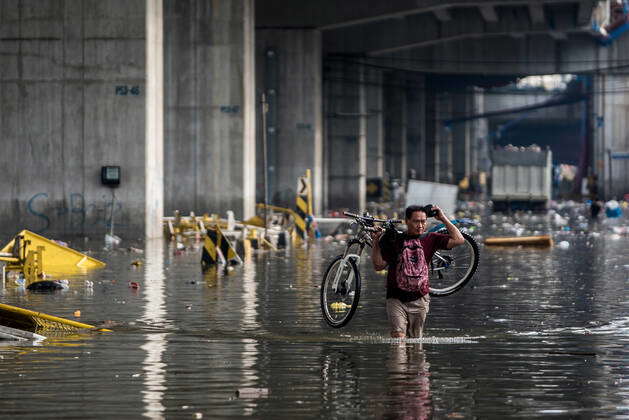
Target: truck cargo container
<point>521,179</point>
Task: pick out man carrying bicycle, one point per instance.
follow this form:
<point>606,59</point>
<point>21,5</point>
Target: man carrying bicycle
<point>407,299</point>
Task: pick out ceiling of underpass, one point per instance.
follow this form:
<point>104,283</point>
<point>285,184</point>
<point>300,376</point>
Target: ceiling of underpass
<point>457,37</point>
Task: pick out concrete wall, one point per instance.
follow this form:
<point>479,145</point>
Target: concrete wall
<point>289,72</point>
<point>72,97</point>
<point>71,100</point>
<point>206,142</point>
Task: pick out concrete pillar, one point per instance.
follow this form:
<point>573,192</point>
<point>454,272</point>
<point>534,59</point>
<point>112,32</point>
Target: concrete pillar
<point>459,138</point>
<point>444,144</point>
<point>431,146</point>
<point>72,99</point>
<point>416,116</point>
<point>154,133</point>
<point>362,141</point>
<point>375,124</point>
<point>395,125</point>
<point>342,147</point>
<point>289,70</point>
<point>210,105</point>
<point>611,135</point>
<point>249,111</point>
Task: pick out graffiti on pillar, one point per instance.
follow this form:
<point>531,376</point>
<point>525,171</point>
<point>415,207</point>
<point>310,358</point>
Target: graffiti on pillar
<point>74,211</point>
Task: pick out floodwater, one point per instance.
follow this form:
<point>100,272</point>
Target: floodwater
<point>538,333</point>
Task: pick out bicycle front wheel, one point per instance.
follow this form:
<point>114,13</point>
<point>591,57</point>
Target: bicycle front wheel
<point>451,269</point>
<point>340,291</point>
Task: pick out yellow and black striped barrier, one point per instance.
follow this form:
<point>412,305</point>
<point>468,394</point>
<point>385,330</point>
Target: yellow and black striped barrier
<point>217,249</point>
<point>303,206</point>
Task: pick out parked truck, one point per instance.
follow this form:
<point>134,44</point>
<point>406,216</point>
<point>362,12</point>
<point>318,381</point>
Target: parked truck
<point>521,178</point>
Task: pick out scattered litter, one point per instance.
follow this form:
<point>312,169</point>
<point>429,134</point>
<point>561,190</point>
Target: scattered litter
<point>48,286</point>
<point>134,285</point>
<point>111,240</point>
<point>563,245</point>
<point>136,263</point>
<point>77,313</point>
<point>136,250</point>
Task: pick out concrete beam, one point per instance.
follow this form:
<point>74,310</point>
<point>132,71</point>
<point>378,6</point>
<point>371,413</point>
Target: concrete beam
<point>425,30</point>
<point>532,55</point>
<point>332,14</point>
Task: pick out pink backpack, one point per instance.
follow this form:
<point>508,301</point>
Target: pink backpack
<point>411,274</point>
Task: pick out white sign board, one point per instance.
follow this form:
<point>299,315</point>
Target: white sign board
<point>424,192</point>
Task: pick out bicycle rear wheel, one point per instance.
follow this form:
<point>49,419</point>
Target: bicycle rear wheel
<point>451,269</point>
<point>340,291</point>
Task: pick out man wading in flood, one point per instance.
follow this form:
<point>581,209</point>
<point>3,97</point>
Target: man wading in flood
<point>407,278</point>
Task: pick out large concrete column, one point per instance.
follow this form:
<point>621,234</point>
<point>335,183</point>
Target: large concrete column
<point>72,99</point>
<point>154,133</point>
<point>444,142</point>
<point>362,141</point>
<point>375,123</point>
<point>459,138</point>
<point>431,147</point>
<point>210,107</point>
<point>611,135</point>
<point>395,125</point>
<point>289,70</point>
<point>343,135</point>
<point>416,116</point>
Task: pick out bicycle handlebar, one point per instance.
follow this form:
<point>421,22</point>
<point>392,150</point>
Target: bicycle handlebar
<point>370,218</point>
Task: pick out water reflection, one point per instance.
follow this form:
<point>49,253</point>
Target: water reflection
<point>154,314</point>
<point>249,322</point>
<point>408,382</point>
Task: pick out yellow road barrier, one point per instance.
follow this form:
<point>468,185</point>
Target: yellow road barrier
<point>15,317</point>
<point>33,255</point>
<point>540,240</point>
<point>217,249</point>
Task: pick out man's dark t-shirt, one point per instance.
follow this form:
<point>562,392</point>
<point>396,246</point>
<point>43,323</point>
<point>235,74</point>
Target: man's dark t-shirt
<point>390,252</point>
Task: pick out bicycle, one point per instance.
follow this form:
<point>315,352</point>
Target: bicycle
<point>450,270</point>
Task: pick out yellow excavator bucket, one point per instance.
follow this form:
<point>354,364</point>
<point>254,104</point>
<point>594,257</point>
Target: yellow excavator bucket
<point>55,258</point>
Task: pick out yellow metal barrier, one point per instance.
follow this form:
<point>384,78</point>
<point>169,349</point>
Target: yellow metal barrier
<point>26,253</point>
<point>31,320</point>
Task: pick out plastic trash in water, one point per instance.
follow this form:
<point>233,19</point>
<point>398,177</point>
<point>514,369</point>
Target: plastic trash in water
<point>252,392</point>
<point>612,209</point>
<point>20,281</point>
<point>112,240</point>
<point>564,244</point>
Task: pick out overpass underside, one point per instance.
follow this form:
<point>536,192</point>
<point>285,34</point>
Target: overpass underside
<point>170,91</point>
